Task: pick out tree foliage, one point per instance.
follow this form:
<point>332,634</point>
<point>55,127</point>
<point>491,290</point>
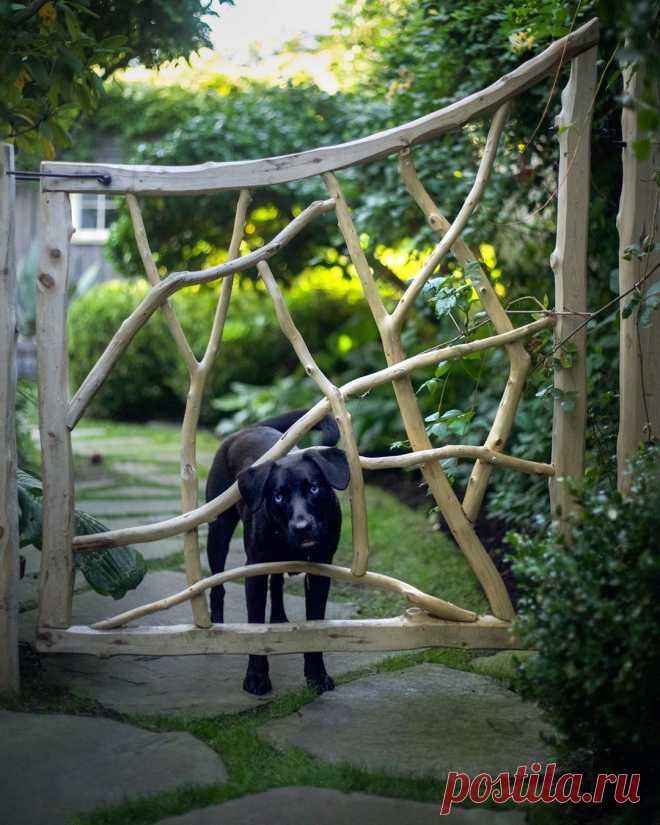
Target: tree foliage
<point>236,123</point>
<point>57,53</point>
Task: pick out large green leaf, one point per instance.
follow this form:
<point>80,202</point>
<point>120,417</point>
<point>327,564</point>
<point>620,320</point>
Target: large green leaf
<point>29,509</point>
<point>109,572</point>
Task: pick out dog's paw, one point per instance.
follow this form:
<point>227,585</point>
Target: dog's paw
<point>258,684</point>
<point>321,682</point>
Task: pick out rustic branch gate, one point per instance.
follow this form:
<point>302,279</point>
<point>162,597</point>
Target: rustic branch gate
<point>432,621</point>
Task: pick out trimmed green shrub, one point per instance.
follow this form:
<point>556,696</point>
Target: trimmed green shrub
<point>592,611</point>
<point>150,380</point>
<point>140,385</point>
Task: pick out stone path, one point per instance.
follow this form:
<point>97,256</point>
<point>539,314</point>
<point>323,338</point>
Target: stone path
<point>187,685</point>
<point>422,721</point>
<point>321,806</point>
<point>53,766</point>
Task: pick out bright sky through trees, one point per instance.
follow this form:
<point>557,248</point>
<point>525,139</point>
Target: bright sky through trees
<point>268,24</point>
<point>246,37</point>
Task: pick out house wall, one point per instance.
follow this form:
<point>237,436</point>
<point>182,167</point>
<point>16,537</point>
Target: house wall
<point>82,257</point>
<point>27,232</point>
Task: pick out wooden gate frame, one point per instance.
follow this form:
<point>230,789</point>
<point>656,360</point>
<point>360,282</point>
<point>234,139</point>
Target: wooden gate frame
<point>432,622</point>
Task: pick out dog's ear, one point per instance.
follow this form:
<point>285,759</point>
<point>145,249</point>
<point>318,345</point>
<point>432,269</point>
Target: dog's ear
<point>252,483</point>
<point>332,462</point>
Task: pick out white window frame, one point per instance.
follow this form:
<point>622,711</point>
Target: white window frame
<point>88,235</point>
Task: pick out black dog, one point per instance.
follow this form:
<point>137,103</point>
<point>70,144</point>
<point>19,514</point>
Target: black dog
<point>290,513</point>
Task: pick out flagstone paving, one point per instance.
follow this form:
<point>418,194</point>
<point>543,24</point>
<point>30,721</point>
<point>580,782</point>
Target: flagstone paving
<point>125,492</point>
<point>417,722</point>
<point>421,721</point>
<point>321,806</point>
<point>188,685</point>
<point>53,766</point>
<point>112,507</point>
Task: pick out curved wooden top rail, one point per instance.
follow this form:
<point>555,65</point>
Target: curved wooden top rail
<point>215,177</point>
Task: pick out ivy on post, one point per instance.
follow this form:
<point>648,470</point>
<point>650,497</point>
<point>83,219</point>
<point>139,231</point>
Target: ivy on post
<point>569,263</point>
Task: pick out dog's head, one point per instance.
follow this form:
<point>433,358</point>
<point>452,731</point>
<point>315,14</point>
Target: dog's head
<point>297,491</point>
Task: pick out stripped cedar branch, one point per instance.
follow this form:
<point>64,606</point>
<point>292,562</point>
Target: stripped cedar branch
<point>519,358</point>
<point>198,373</point>
<point>359,524</point>
<point>153,277</point>
<point>453,232</point>
<point>445,498</point>
<point>358,386</point>
<point>198,377</point>
<point>415,629</point>
<point>495,459</point>
<point>174,282</point>
<point>431,604</point>
<point>209,177</point>
<point>356,253</point>
<point>188,477</point>
<point>569,264</point>
<point>56,570</point>
<point>9,538</point>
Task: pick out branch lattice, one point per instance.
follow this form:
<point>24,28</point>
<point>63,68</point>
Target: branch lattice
<point>441,617</point>
<point>389,326</point>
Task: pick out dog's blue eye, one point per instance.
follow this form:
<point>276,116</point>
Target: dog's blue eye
<point>279,498</point>
<point>314,489</point>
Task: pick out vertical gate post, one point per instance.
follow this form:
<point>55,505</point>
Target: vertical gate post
<point>9,567</point>
<point>639,348</point>
<point>569,263</point>
<point>56,577</point>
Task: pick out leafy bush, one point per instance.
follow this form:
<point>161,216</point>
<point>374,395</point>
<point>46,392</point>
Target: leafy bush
<point>26,402</point>
<point>150,380</point>
<point>139,386</point>
<point>591,609</point>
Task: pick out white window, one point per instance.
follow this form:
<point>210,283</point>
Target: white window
<point>92,216</point>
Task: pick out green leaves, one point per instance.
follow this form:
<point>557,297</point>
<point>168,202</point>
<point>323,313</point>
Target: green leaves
<point>566,398</point>
<point>591,610</point>
<point>650,302</point>
<point>110,572</point>
<point>448,295</point>
<point>451,422</point>
<point>647,302</point>
<point>29,509</point>
<point>51,58</point>
<point>565,356</point>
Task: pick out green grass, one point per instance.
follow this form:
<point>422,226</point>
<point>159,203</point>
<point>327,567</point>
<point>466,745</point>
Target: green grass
<point>253,765</point>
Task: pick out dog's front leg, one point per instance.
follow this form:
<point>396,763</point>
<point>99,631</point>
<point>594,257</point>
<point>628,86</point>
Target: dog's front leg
<point>316,598</point>
<point>277,612</point>
<point>256,679</point>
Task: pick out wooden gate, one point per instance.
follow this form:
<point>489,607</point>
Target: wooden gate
<point>431,621</point>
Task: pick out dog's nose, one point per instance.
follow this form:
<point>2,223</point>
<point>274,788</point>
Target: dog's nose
<point>301,525</point>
